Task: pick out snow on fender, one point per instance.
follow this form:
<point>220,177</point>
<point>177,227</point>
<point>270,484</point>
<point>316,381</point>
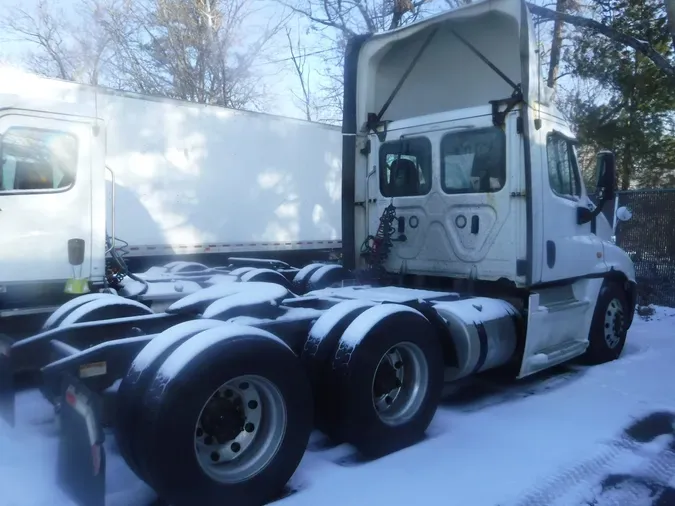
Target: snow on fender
<point>388,376</point>
<point>105,308</point>
<point>232,372</point>
<point>132,388</point>
<point>200,300</point>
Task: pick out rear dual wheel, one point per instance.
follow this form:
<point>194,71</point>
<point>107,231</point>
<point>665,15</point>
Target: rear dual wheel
<point>383,378</point>
<point>226,419</point>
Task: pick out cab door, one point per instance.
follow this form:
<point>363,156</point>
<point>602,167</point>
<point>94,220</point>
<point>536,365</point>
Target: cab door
<point>455,189</point>
<point>45,197</point>
<point>570,249</point>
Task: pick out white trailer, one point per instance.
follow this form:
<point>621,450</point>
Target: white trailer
<point>469,243</point>
<point>184,182</point>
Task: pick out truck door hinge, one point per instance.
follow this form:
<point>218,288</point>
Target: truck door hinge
<point>365,150</point>
<point>519,194</point>
<point>519,125</point>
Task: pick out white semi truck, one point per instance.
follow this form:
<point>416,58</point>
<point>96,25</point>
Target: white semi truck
<point>153,181</point>
<point>469,243</point>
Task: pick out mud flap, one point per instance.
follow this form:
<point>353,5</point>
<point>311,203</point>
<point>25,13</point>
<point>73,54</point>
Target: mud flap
<point>81,456</point>
<point>7,410</point>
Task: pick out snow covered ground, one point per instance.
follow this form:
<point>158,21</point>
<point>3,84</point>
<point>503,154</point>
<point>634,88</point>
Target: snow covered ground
<point>577,436</point>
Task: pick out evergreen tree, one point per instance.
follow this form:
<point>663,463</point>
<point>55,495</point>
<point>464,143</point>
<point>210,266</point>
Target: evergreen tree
<point>633,116</point>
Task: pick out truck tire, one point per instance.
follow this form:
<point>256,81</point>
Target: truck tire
<point>388,375</point>
<point>105,308</point>
<point>129,399</point>
<point>240,271</point>
<point>266,276</point>
<point>327,276</point>
<point>211,386</point>
<point>302,277</point>
<point>319,350</point>
<point>65,309</point>
<point>182,267</point>
<point>607,335</point>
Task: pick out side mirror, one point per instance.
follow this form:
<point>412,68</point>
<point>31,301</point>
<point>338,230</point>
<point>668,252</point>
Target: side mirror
<point>606,176</point>
<point>624,214</point>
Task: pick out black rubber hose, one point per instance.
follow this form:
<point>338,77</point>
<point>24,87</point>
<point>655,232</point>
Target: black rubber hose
<point>123,267</point>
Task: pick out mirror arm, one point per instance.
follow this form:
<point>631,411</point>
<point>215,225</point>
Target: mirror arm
<point>585,215</point>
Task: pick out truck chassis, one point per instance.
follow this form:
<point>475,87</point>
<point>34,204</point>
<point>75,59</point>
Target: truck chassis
<point>238,374</point>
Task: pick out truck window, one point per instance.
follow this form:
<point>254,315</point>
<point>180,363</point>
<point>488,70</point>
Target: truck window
<point>34,159</point>
<point>405,167</point>
<point>563,173</point>
<point>473,161</point>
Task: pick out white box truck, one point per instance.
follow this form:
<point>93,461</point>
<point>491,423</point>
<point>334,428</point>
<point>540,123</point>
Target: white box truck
<point>470,244</point>
<point>185,182</point>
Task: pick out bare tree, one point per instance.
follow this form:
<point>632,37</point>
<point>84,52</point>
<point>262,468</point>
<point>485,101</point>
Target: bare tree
<point>305,100</point>
<point>198,50</point>
<point>582,22</point>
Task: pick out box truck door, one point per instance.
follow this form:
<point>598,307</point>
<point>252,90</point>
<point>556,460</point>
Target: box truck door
<point>45,197</point>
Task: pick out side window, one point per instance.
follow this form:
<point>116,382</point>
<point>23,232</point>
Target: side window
<point>563,173</point>
<point>405,167</point>
<point>473,161</point>
<point>34,159</point>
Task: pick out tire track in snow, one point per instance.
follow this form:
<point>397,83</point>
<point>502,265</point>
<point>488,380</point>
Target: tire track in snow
<point>652,480</point>
<point>589,473</point>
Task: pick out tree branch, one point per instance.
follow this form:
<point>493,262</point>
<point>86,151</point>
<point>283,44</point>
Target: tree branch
<point>581,22</point>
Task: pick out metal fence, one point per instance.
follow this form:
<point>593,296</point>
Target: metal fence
<point>649,238</point>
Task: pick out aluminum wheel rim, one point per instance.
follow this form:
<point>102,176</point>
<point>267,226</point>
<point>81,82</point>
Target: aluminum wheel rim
<point>263,427</point>
<point>614,323</point>
<point>407,373</point>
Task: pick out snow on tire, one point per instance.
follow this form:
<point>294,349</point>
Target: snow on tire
<point>302,277</point>
<point>105,308</point>
<point>266,276</point>
<point>319,351</point>
<point>226,419</point>
<point>388,376</point>
<point>65,309</point>
<point>129,399</point>
<point>327,276</point>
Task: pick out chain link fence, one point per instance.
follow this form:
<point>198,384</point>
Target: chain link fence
<point>649,238</point>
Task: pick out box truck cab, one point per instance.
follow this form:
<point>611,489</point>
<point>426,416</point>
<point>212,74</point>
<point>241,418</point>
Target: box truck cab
<point>52,190</point>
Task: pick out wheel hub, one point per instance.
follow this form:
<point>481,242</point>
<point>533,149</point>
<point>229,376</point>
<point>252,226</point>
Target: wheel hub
<point>614,323</point>
<point>224,418</point>
<point>386,379</point>
<point>400,383</point>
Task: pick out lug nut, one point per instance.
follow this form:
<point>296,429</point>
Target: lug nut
<point>235,447</point>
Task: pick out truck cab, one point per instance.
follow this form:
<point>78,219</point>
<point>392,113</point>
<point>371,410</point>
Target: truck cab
<point>458,162</point>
